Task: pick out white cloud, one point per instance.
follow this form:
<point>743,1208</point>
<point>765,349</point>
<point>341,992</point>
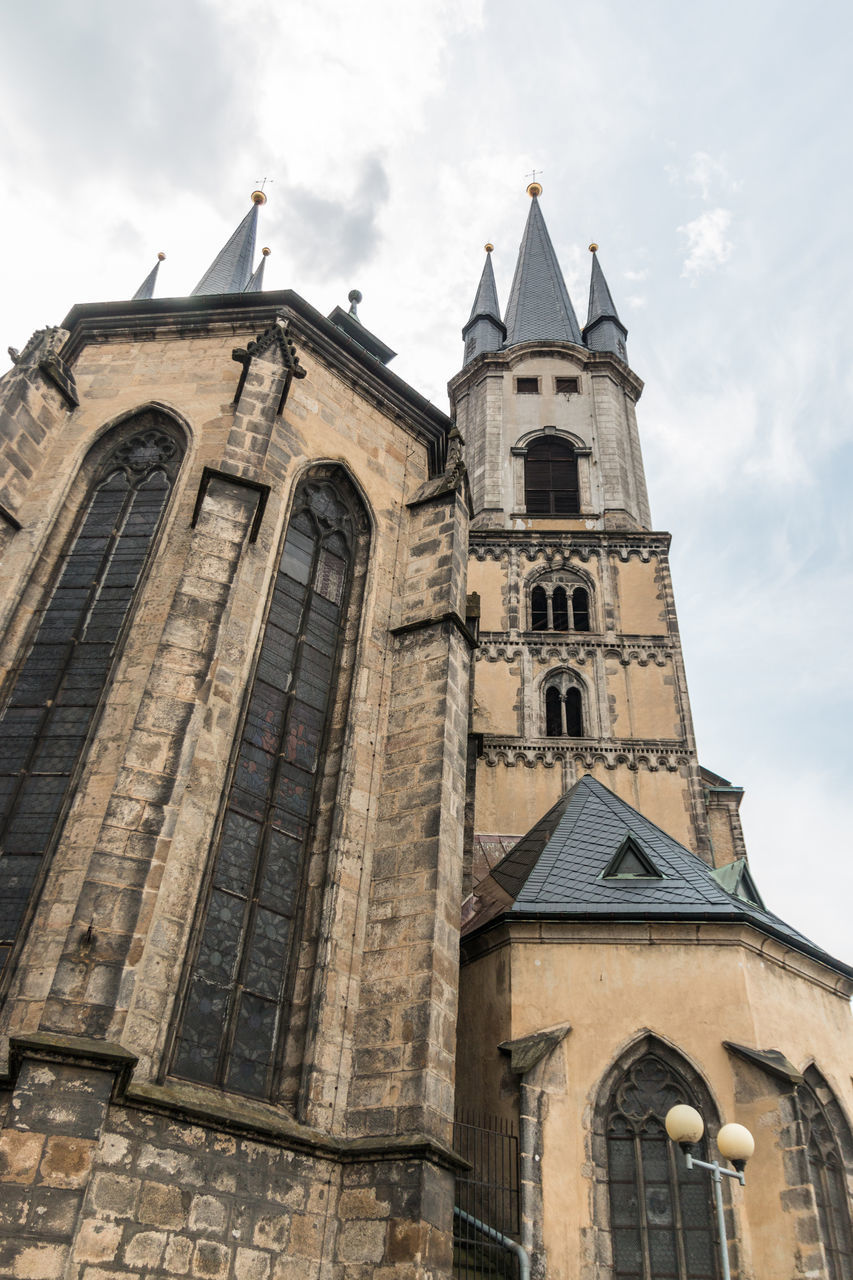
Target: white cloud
<point>636,275</point>
<point>707,244</point>
<point>704,172</point>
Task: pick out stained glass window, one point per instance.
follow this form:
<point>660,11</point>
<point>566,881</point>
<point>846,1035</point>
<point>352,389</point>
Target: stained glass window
<point>829,1181</point>
<point>661,1217</point>
<point>53,698</point>
<point>234,1009</point>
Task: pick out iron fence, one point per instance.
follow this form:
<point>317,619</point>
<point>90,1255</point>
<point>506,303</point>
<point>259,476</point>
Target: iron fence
<point>488,1194</point>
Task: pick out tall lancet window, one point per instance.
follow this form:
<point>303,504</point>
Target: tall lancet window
<point>829,1182</point>
<point>660,1215</point>
<point>52,699</point>
<point>240,982</point>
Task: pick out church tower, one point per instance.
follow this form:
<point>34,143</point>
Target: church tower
<point>617,956</point>
<point>579,667</point>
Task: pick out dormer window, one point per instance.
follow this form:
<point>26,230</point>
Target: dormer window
<point>527,386</point>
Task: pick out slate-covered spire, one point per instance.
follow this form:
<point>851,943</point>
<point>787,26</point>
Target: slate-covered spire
<point>256,283</point>
<point>604,331</point>
<point>231,269</point>
<point>146,289</point>
<point>539,304</point>
<point>484,330</point>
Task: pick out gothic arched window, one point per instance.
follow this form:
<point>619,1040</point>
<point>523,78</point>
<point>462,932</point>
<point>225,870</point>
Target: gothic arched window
<point>240,982</point>
<point>661,1218</point>
<point>829,1182</point>
<point>551,478</point>
<point>563,707</point>
<point>52,699</point>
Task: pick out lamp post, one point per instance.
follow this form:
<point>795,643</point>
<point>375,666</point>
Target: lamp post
<point>734,1142</point>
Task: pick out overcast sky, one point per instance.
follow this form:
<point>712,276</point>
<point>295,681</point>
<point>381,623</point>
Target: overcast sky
<point>705,148</point>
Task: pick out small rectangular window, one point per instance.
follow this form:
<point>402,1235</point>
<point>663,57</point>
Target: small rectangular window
<point>527,386</point>
<point>567,386</point>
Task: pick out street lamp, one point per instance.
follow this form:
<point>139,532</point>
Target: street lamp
<point>734,1142</point>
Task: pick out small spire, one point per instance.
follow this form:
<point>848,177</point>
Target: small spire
<point>256,283</point>
<point>146,289</point>
<point>231,269</point>
<point>484,330</point>
<point>604,331</point>
<point>539,304</point>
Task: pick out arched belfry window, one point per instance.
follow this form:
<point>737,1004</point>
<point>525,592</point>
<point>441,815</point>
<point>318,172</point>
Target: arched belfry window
<point>52,699</point>
<point>563,707</point>
<point>557,605</point>
<point>661,1217</point>
<point>240,981</point>
<point>829,1182</point>
<point>551,477</point>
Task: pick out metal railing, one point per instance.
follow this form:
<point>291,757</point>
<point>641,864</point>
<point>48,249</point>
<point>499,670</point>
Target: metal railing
<point>487,1199</point>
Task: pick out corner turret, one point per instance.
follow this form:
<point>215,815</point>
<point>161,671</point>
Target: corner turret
<point>485,330</point>
<point>604,331</point>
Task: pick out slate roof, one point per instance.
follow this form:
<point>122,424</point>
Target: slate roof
<point>539,304</point>
<point>556,870</point>
<point>601,304</point>
<point>486,299</point>
<point>146,289</point>
<point>231,269</point>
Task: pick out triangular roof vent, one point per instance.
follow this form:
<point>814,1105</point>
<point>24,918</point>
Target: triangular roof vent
<point>630,862</point>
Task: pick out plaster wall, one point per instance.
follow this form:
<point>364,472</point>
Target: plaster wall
<point>692,986</point>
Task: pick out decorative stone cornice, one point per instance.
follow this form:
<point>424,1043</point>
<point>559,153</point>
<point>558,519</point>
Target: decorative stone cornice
<point>558,548</point>
<point>633,754</point>
<point>497,646</point>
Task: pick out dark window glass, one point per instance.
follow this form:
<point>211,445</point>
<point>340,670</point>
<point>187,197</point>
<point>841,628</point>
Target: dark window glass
<point>661,1217</point>
<point>574,713</point>
<point>527,386</point>
<point>580,609</point>
<point>553,713</point>
<point>250,929</point>
<point>52,701</point>
<point>560,609</point>
<point>567,386</point>
<point>538,609</point>
<point>551,478</point>
<point>826,1170</point>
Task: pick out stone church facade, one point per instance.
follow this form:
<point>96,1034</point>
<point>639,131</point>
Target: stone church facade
<point>309,693</point>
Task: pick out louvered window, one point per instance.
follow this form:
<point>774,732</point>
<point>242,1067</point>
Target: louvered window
<point>551,478</point>
<point>53,699</point>
<point>661,1218</point>
<point>239,985</point>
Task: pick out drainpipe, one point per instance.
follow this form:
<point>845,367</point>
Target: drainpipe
<point>506,1242</point>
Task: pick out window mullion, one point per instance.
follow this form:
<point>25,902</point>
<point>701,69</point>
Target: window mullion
<point>641,1207</point>
<point>549,605</point>
<point>675,1192</point>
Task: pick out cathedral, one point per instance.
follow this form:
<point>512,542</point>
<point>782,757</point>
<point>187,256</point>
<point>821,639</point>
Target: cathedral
<point>364,905</point>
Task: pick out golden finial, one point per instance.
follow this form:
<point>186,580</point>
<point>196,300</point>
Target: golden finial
<point>266,252</point>
<point>488,247</point>
<point>258,197</point>
<point>161,257</point>
<point>593,247</point>
<point>535,189</point>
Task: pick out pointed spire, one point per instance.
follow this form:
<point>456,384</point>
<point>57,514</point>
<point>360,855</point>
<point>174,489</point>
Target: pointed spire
<point>146,289</point>
<point>256,283</point>
<point>539,303</point>
<point>604,331</point>
<point>484,330</point>
<point>231,269</point>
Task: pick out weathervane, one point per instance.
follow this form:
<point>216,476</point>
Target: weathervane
<point>262,182</point>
